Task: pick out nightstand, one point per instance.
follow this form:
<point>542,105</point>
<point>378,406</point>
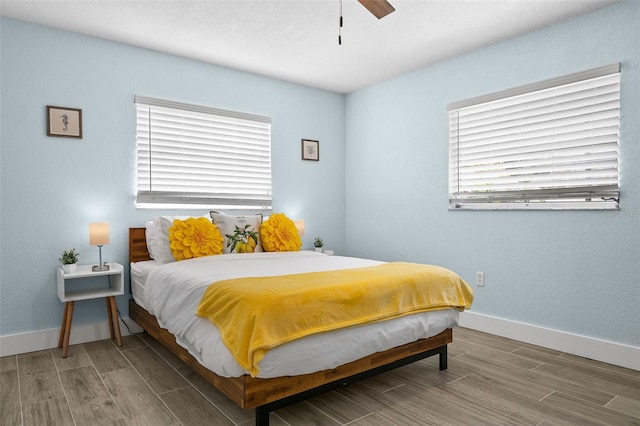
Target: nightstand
<point>69,294</point>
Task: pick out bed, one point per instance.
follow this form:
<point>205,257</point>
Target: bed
<point>277,388</point>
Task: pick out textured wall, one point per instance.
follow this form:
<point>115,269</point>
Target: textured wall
<point>52,188</point>
<point>577,272</point>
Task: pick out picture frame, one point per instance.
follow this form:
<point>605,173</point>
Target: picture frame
<point>310,150</point>
<point>64,122</point>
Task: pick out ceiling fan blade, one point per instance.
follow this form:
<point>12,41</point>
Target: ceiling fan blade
<point>379,8</point>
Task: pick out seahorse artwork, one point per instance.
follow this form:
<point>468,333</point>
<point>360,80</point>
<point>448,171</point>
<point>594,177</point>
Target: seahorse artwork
<point>65,121</point>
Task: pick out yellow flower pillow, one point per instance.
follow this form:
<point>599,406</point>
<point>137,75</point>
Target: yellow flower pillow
<point>194,237</point>
<point>279,233</point>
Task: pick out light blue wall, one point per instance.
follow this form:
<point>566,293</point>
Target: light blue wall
<point>577,272</point>
<point>52,188</point>
<point>572,271</point>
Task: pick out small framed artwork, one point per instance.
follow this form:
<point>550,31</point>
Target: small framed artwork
<point>64,122</point>
<point>310,150</point>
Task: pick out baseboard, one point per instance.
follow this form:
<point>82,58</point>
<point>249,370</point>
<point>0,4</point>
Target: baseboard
<point>600,350</point>
<point>14,344</point>
<point>587,347</point>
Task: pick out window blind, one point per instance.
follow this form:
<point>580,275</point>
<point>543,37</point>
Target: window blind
<point>194,156</point>
<point>553,144</point>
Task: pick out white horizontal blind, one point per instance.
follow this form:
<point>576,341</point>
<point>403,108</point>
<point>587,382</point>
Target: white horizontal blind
<point>549,145</point>
<point>199,156</point>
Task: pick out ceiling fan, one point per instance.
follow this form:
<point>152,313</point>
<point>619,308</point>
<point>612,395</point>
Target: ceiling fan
<point>379,8</point>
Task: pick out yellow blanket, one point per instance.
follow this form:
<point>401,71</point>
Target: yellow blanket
<point>257,314</point>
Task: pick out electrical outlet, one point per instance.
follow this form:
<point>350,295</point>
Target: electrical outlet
<point>480,279</point>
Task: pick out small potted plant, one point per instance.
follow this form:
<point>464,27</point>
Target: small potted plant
<point>69,260</point>
<point>318,243</point>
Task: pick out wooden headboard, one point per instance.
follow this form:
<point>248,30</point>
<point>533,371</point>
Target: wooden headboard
<point>138,245</point>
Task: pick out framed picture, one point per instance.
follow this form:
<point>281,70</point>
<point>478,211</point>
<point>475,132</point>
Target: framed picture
<point>310,150</point>
<point>64,122</point>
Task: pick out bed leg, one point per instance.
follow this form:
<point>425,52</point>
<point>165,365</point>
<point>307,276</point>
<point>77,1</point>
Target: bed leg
<point>443,358</point>
<point>262,416</point>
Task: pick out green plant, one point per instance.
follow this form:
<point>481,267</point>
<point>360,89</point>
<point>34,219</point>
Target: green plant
<point>317,242</point>
<point>69,257</point>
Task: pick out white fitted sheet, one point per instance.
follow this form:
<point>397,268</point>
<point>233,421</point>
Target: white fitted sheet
<point>172,292</point>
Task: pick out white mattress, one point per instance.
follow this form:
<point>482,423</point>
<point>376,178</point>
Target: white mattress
<point>173,291</point>
<point>139,272</point>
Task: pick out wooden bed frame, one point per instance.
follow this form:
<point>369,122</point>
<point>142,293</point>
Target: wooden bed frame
<point>266,395</point>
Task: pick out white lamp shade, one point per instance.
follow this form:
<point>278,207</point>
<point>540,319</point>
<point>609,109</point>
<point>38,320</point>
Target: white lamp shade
<point>99,233</point>
<point>300,225</point>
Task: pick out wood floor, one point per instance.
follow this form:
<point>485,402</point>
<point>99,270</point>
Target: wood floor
<point>490,381</point>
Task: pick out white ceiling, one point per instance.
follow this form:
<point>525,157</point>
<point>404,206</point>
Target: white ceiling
<point>297,40</point>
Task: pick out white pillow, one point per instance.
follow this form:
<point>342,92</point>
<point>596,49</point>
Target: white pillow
<point>227,225</point>
<point>150,236</point>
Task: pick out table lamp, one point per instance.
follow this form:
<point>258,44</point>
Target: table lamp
<point>99,236</point>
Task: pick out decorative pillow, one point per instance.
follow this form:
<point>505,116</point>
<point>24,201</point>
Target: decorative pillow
<point>194,237</point>
<point>158,237</point>
<point>279,233</point>
<point>160,246</point>
<point>241,233</point>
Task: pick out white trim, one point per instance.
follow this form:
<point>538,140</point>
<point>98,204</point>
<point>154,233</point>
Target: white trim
<point>199,108</point>
<point>22,343</point>
<point>541,85</point>
<point>549,205</point>
<point>588,347</point>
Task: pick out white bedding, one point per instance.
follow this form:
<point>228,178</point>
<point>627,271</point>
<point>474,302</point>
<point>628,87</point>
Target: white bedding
<point>173,291</point>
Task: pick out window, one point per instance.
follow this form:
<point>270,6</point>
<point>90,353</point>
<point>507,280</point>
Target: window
<point>549,145</point>
<point>193,156</point>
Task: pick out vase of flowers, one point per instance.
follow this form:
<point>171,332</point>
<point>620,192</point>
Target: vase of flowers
<point>69,260</point>
<point>318,243</point>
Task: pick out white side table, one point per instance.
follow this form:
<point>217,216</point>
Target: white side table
<point>114,276</point>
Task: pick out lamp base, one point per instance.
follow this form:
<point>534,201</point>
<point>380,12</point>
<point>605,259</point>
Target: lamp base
<point>100,268</point>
